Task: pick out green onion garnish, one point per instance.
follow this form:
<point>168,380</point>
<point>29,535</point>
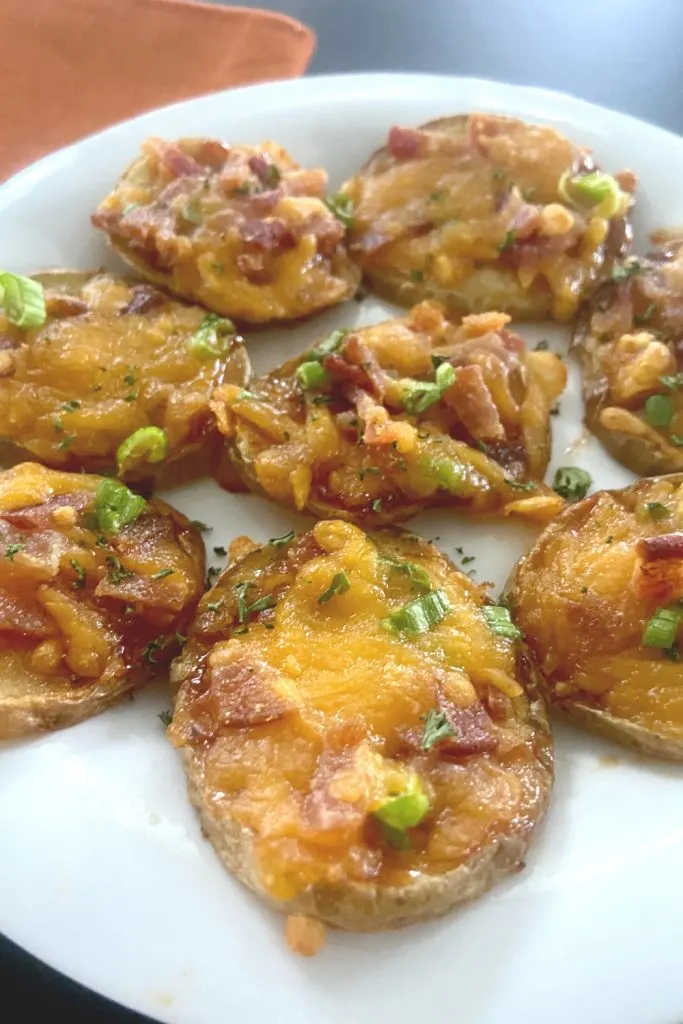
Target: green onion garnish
<point>419,615</point>
<point>595,190</point>
<point>162,574</point>
<point>311,374</point>
<point>661,629</point>
<point>116,506</point>
<point>447,472</point>
<point>673,381</point>
<point>509,240</point>
<point>622,271</point>
<point>329,344</point>
<point>500,622</point>
<point>280,542</point>
<point>572,483</point>
<point>437,727</point>
<point>214,337</point>
<point>339,585</point>
<point>244,609</point>
<point>419,395</point>
<point>415,573</point>
<point>405,810</point>
<point>148,444</point>
<point>659,410</point>
<point>13,549</point>
<point>656,510</point>
<point>23,300</point>
<point>342,207</point>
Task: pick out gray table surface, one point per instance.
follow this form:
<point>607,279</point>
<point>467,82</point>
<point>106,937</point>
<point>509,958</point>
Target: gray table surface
<point>623,54</point>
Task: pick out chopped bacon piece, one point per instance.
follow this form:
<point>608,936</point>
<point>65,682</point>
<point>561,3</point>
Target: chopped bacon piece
<point>258,203</point>
<point>177,162</point>
<point>242,691</point>
<point>167,594</point>
<point>267,234</point>
<point>618,317</point>
<point>24,616</point>
<point>144,298</point>
<point>340,369</point>
<point>358,353</point>
<point>659,581</point>
<point>327,230</point>
<point>35,517</point>
<point>473,727</point>
<point>380,429</point>
<point>252,265</point>
<point>307,182</point>
<point>666,545</point>
<point>302,550</point>
<point>261,167</point>
<point>213,154</point>
<point>472,400</point>
<point>405,143</point>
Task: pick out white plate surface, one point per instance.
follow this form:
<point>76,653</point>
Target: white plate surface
<point>103,871</point>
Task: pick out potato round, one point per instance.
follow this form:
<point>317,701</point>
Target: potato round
<point>242,229</point>
<point>90,605</point>
<point>364,427</point>
<point>469,210</point>
<point>306,705</point>
<point>585,597</point>
<point>630,345</point>
<point>115,356</point>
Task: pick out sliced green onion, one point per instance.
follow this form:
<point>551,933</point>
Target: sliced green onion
<point>622,271</point>
<point>661,629</point>
<point>244,609</point>
<point>406,809</point>
<point>659,410</point>
<point>415,573</point>
<point>311,374</point>
<point>500,622</point>
<point>162,574</point>
<point>673,381</point>
<point>327,345</point>
<point>116,506</point>
<point>676,440</point>
<point>280,542</point>
<point>572,483</point>
<point>419,615</point>
<point>447,472</point>
<point>395,837</point>
<point>597,191</point>
<point>419,395</point>
<point>339,585</point>
<point>23,300</point>
<point>342,207</point>
<point>214,337</point>
<point>148,444</point>
<point>521,485</point>
<point>437,727</point>
<point>509,240</point>
<point>656,510</point>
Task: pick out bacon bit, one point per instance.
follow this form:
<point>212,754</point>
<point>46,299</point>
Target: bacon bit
<point>327,230</point>
<point>474,729</point>
<point>338,368</point>
<point>472,400</point>
<point>477,325</point>
<point>23,616</point>
<point>259,203</point>
<point>626,180</point>
<point>325,812</point>
<point>304,935</point>
<point>167,594</point>
<point>260,165</point>
<point>143,299</point>
<point>666,545</point>
<point>498,704</point>
<point>241,690</point>
<point>62,306</point>
<point>359,354</point>
<point>512,342</point>
<point>35,517</point>
<point>380,429</point>
<point>267,234</point>
<point>180,164</point>
<point>253,266</point>
<point>302,550</point>
<point>618,317</point>
<point>405,143</point>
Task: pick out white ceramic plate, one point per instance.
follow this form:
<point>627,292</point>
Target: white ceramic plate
<point>103,871</point>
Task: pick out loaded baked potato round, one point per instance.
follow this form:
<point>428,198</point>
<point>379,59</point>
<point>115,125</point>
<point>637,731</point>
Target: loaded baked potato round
<point>374,424</point>
<point>112,375</point>
<point>96,586</point>
<point>352,716</point>
<point>487,212</point>
<point>600,601</point>
<point>242,229</point>
<point>631,346</point>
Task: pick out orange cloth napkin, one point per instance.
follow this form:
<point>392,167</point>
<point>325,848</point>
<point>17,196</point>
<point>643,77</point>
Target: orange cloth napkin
<point>71,67</point>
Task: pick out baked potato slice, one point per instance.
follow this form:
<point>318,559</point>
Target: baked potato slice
<point>599,599</point>
<point>116,378</point>
<point>487,212</point>
<point>96,586</point>
<point>372,425</point>
<point>629,340</point>
<point>354,724</point>
<point>242,229</point>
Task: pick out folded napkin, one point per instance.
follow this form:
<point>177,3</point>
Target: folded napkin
<point>71,67</point>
